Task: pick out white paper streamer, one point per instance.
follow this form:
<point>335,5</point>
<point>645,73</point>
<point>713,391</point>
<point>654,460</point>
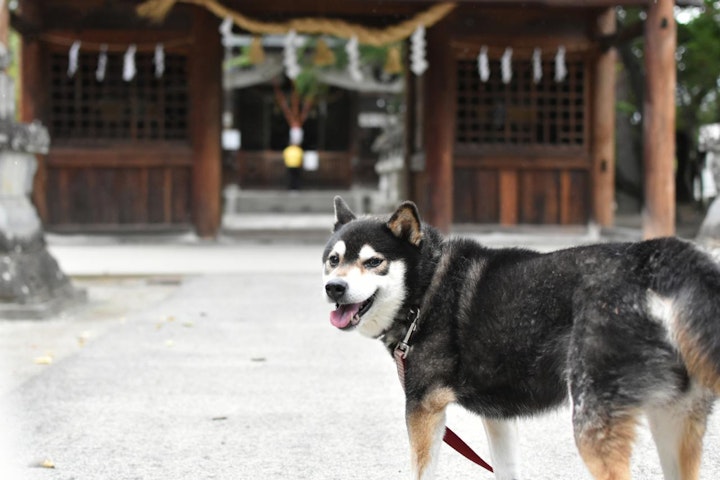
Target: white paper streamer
<point>102,63</point>
<point>483,64</point>
<point>296,135</point>
<point>418,63</point>
<point>226,26</point>
<point>73,58</point>
<point>129,69</point>
<point>506,65</point>
<point>159,60</point>
<point>560,67</point>
<point>292,69</point>
<point>537,65</point>
<point>353,54</point>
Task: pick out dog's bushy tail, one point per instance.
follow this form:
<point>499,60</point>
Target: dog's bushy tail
<point>695,316</point>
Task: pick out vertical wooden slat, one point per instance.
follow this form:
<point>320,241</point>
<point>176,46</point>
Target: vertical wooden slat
<point>565,196</point>
<point>167,195</point>
<point>487,201</point>
<point>205,111</point>
<point>659,120</point>
<point>508,193</point>
<point>143,195</point>
<point>603,133</point>
<point>63,191</point>
<point>93,210</point>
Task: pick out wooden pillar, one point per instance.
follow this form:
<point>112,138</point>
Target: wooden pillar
<point>439,126</point>
<point>603,125</point>
<point>32,87</point>
<point>659,120</point>
<point>33,98</point>
<point>205,79</point>
<point>4,23</point>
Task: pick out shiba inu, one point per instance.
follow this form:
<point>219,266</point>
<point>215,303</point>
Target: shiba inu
<point>618,329</point>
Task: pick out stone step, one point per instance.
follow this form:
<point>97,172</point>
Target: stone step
<point>303,201</point>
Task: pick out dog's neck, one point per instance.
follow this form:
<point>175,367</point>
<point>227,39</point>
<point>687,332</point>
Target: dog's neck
<point>423,272</point>
<point>400,327</point>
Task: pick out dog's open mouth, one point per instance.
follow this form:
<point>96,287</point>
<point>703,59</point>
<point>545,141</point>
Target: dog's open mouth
<point>348,315</point>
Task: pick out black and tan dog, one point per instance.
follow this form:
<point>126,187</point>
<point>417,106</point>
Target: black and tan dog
<point>624,329</point>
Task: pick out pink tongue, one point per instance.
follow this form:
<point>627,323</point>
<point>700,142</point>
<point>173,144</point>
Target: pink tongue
<point>342,317</point>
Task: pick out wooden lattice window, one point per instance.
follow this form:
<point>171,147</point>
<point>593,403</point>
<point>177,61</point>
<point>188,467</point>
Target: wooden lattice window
<point>85,110</point>
<point>521,112</point>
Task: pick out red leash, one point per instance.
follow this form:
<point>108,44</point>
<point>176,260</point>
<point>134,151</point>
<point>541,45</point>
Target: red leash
<point>450,437</point>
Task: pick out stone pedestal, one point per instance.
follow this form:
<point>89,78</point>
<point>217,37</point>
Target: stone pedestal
<point>709,142</point>
<point>31,282</point>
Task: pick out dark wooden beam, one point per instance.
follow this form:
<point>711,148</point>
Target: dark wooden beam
<point>205,112</point>
<point>659,120</point>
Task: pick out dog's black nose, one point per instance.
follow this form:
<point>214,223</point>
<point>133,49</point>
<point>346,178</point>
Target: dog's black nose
<point>336,289</point>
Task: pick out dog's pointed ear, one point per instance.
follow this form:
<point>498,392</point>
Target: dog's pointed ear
<point>343,214</point>
<point>405,223</point>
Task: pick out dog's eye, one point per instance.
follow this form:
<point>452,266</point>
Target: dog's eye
<point>373,262</point>
<point>333,260</point>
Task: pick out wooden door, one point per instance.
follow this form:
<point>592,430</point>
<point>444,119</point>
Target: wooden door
<point>521,148</point>
<point>120,155</point>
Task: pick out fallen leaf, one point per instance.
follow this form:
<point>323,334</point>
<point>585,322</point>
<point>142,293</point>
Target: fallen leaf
<point>44,360</point>
<point>83,338</point>
<point>47,463</point>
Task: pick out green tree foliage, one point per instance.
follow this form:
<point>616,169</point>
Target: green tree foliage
<point>698,57</point>
<point>698,78</point>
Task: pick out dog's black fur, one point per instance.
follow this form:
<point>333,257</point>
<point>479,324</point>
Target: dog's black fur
<point>623,327</point>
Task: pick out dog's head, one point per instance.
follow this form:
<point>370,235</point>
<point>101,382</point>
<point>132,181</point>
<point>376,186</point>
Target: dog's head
<point>366,264</point>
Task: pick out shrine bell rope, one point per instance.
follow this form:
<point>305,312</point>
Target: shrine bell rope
<point>158,9</point>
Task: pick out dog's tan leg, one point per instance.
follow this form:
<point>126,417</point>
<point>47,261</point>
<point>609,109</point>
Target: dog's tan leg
<point>678,433</point>
<point>426,427</point>
<point>691,447</point>
<point>606,445</point>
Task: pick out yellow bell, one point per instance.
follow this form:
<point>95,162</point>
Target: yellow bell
<point>393,65</point>
<point>323,55</point>
<point>257,54</point>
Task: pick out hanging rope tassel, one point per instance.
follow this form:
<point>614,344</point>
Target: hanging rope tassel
<point>73,55</point>
<point>560,67</point>
<point>506,65</point>
<point>323,55</point>
<point>257,54</point>
<point>483,64</point>
<point>537,65</point>
<point>393,62</point>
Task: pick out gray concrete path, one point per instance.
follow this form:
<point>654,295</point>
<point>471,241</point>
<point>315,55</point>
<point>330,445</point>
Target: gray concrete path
<point>229,374</point>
